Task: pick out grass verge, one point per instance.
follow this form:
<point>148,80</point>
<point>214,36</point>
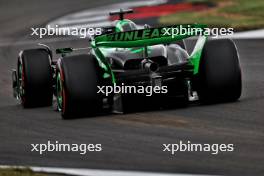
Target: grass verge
<point>238,14</point>
<point>19,172</point>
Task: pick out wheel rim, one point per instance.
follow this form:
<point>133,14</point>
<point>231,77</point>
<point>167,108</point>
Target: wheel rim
<point>21,83</point>
<point>59,91</point>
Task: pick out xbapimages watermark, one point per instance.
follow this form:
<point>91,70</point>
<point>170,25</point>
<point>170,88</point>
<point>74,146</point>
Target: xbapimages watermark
<point>63,147</point>
<point>128,89</point>
<point>188,146</point>
<point>65,31</point>
<point>173,31</point>
<point>183,30</point>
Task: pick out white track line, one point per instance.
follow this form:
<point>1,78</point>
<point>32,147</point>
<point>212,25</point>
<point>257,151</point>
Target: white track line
<point>106,9</point>
<point>254,34</point>
<point>97,172</point>
<point>90,25</point>
<point>83,20</point>
<point>98,17</point>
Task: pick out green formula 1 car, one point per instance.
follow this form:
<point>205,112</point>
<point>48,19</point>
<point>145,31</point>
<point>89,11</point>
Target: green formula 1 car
<point>127,55</point>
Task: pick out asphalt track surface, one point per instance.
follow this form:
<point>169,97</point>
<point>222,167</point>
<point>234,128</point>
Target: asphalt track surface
<point>133,141</point>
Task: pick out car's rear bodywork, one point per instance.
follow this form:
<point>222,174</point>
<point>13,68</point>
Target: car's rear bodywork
<point>126,54</point>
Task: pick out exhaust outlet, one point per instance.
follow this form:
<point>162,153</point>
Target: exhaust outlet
<point>150,65</point>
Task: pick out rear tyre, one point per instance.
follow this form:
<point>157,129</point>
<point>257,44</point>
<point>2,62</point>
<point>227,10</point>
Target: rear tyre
<point>34,75</point>
<point>77,81</point>
<point>219,78</point>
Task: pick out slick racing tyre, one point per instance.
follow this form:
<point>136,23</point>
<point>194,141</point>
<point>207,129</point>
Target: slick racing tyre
<point>77,79</point>
<point>219,78</point>
<point>34,75</point>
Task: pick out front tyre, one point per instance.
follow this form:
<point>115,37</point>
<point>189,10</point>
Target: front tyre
<point>34,78</point>
<point>219,77</point>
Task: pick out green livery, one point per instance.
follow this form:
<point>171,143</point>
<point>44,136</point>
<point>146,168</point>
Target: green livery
<point>167,59</point>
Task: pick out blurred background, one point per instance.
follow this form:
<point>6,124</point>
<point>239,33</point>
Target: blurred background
<point>133,141</point>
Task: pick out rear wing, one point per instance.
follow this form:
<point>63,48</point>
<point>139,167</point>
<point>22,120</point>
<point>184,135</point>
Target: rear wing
<point>149,36</point>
